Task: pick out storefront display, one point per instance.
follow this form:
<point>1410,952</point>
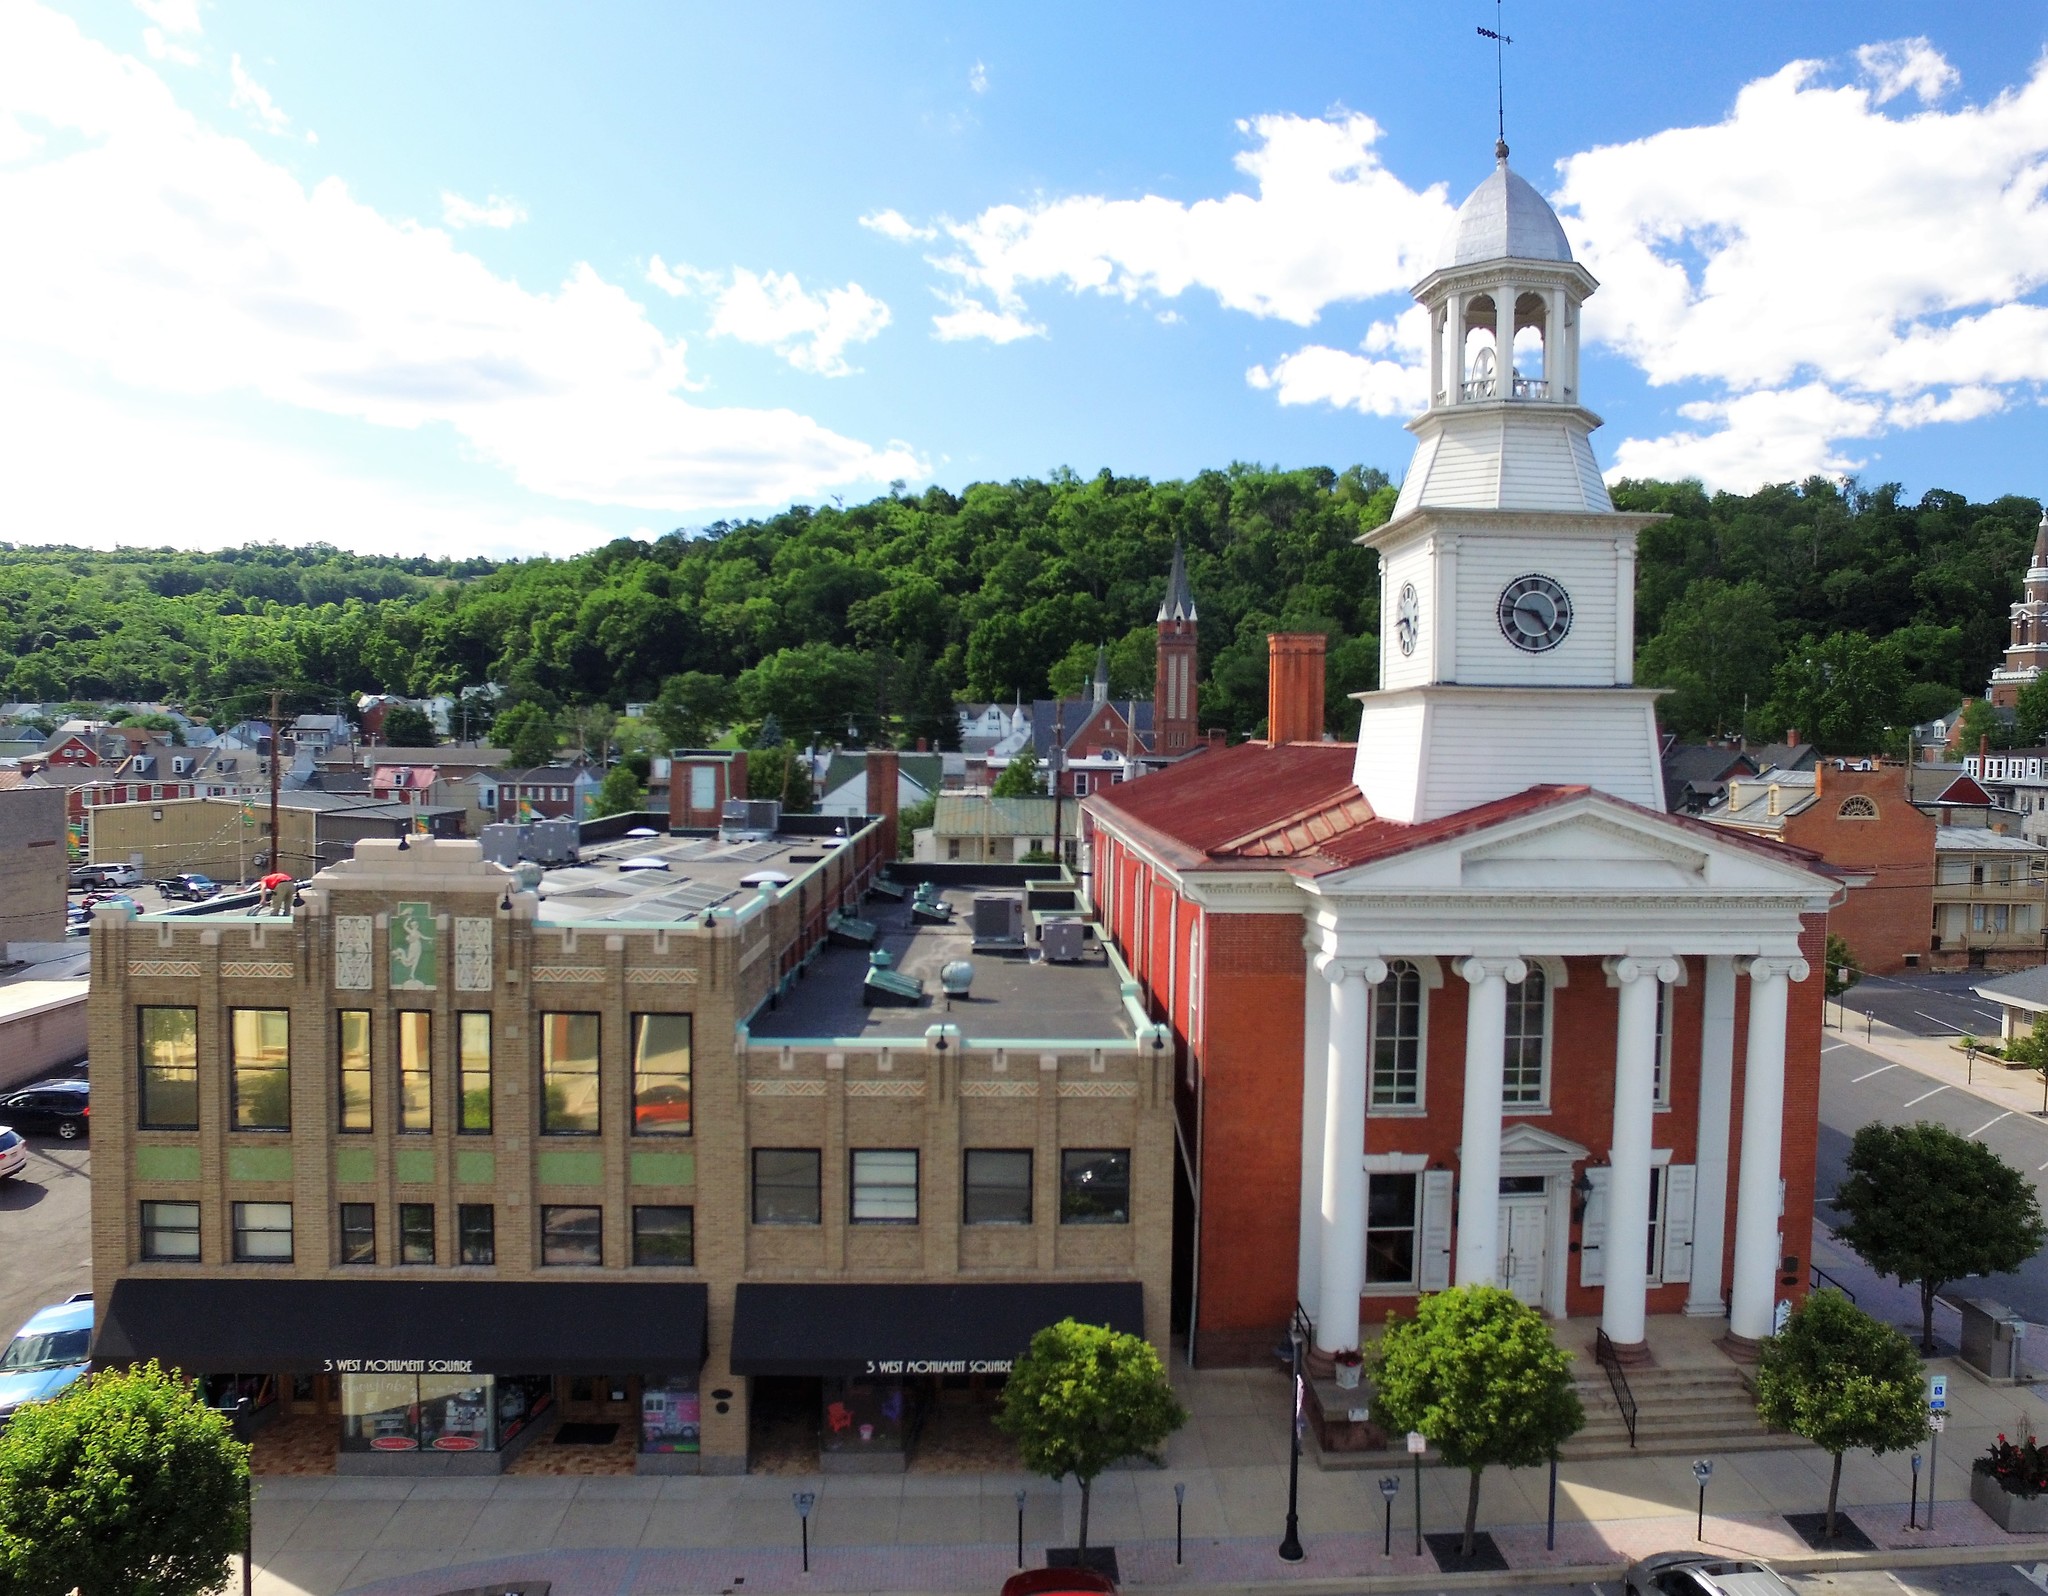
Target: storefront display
<point>864,1415</point>
<point>520,1400</point>
<point>669,1415</point>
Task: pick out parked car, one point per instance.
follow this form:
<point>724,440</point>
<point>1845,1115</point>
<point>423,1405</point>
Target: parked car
<point>13,1152</point>
<point>120,875</point>
<point>190,885</point>
<point>1059,1582</point>
<point>58,1108</point>
<point>46,1354</point>
<point>81,876</point>
<point>1699,1574</point>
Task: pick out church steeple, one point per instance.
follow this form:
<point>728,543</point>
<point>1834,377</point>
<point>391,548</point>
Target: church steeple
<point>1173,682</point>
<point>2027,652</point>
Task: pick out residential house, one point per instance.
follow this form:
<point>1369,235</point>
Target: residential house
<point>547,792</point>
<point>975,828</point>
<point>843,784</point>
<point>1990,899</point>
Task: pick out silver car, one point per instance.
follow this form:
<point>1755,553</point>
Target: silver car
<point>1699,1574</point>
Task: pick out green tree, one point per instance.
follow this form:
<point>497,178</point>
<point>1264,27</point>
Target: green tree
<point>1084,1398</point>
<point>125,1485</point>
<point>1477,1372</point>
<point>1841,693</point>
<point>1843,971</point>
<point>1715,650</point>
<point>779,772</point>
<point>151,721</point>
<point>527,733</point>
<point>2030,714</point>
<point>815,691</point>
<point>1982,725</point>
<point>620,793</point>
<point>911,821</point>
<point>1841,1379</point>
<point>1930,1206</point>
<point>407,727</point>
<point>1020,777</point>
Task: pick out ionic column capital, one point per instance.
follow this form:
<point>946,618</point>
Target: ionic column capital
<point>1486,967</point>
<point>1775,968</point>
<point>1629,967</point>
<point>1339,968</point>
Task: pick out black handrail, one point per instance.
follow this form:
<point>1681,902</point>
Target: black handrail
<point>1608,1359</point>
<point>1821,1277</point>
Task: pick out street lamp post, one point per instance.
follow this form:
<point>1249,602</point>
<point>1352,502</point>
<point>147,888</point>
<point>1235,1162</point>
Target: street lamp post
<point>1390,1487</point>
<point>1290,1543</point>
<point>1020,1528</point>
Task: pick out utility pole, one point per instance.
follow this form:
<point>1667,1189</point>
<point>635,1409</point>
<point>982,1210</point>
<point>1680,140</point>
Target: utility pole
<point>276,745</point>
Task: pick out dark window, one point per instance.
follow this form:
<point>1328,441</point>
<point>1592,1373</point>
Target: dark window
<point>358,1233</point>
<point>568,1075</point>
<point>352,1041</point>
<point>665,1236</point>
<point>263,1232</point>
<point>1095,1186</point>
<point>786,1186</point>
<point>261,1068</point>
<point>661,1074</point>
<point>415,1233</point>
<point>885,1186</point>
<point>415,1070</point>
<point>998,1186</point>
<point>169,1045</point>
<point>473,1072</point>
<point>1390,1212</point>
<point>1397,1037</point>
<point>170,1231</point>
<point>572,1236</point>
<point>478,1223</point>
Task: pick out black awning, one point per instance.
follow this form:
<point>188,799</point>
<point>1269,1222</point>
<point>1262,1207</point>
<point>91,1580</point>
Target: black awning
<point>405,1326</point>
<point>915,1329</point>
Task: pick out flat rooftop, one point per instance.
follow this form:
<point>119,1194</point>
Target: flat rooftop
<point>1015,997</point>
<point>658,878</point>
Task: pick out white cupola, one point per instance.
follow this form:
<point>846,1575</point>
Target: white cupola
<point>1507,579</point>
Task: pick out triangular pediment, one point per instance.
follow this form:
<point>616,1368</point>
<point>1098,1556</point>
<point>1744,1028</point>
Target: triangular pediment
<point>1523,1140</point>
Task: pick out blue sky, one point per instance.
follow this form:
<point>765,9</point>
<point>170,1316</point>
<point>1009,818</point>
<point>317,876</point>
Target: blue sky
<point>505,279</point>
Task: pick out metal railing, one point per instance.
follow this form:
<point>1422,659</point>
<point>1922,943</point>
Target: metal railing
<point>1820,1277</point>
<point>1519,388</point>
<point>1605,1355</point>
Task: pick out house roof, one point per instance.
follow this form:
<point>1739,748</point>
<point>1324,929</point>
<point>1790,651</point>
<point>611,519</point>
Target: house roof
<point>1965,790</point>
<point>547,775</point>
<point>1981,839</point>
<point>959,814</point>
<point>2025,989</point>
<point>1072,715</point>
<point>927,770</point>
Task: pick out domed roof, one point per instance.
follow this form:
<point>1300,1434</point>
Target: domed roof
<point>1505,218</point>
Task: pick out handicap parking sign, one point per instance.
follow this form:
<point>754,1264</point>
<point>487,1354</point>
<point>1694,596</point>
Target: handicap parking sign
<point>1937,1393</point>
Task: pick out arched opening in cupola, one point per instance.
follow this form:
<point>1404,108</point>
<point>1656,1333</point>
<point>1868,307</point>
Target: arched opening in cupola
<point>1532,347</point>
<point>1478,359</point>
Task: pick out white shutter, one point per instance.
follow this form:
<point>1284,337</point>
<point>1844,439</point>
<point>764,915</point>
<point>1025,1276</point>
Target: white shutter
<point>1678,1204</point>
<point>1433,1267</point>
<point>1593,1231</point>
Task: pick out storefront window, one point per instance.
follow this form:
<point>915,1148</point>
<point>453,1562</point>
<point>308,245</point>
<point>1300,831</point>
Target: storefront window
<point>262,1048</point>
<point>352,1036</point>
<point>415,1070</point>
<point>473,1039</point>
<point>669,1414</point>
<point>380,1413</point>
<point>1095,1186</point>
<point>568,1074</point>
<point>863,1415</point>
<point>169,1044</point>
<point>521,1399</point>
<point>661,1074</point>
<point>455,1413</point>
<point>429,1412</point>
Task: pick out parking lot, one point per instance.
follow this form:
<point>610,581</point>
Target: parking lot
<point>1927,1003</point>
<point>45,1228</point>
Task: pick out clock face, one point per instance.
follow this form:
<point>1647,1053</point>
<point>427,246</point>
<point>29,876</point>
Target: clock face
<point>1535,613</point>
<point>1408,618</point>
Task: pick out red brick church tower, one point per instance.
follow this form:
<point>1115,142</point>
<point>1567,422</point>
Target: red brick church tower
<point>2028,651</point>
<point>1173,690</point>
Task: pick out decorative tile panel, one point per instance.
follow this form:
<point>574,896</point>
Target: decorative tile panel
<point>1098,1088</point>
<point>181,969</point>
<point>352,968</point>
<point>999,1088</point>
<point>355,1166</point>
<point>473,955</point>
<point>665,976</point>
<point>260,1163</point>
<point>664,1169</point>
<point>885,1088</point>
<point>785,1088</point>
<point>570,1169</point>
<point>414,1165</point>
<point>568,974</point>
<point>257,969</point>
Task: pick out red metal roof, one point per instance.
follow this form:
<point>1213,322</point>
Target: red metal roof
<point>1196,807</point>
<point>1964,790</point>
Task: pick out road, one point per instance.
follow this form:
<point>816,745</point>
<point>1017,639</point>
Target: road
<point>45,1230</point>
<point>1930,1004</point>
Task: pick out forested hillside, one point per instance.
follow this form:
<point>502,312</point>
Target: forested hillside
<point>1840,609</point>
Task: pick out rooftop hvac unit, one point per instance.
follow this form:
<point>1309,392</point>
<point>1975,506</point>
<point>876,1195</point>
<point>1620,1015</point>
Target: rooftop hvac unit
<point>1065,941</point>
<point>749,819</point>
<point>998,921</point>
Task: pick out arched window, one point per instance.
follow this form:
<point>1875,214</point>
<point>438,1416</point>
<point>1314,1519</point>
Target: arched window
<point>1397,1038</point>
<point>1856,807</point>
<point>1528,1029</point>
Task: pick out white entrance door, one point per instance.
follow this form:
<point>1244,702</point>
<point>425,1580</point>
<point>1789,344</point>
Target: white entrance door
<point>1524,1233</point>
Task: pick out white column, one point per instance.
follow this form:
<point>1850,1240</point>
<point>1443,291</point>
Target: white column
<point>1504,340</point>
<point>1628,1180</point>
<point>1717,1102</point>
<point>1455,350</point>
<point>1752,1299</point>
<point>1343,1263</point>
<point>1486,1015</point>
<point>1436,357</point>
<point>1315,1078</point>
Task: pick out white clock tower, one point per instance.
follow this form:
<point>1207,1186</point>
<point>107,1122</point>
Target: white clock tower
<point>1507,578</point>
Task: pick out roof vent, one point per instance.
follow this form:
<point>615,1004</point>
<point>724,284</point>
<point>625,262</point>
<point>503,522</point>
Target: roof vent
<point>957,977</point>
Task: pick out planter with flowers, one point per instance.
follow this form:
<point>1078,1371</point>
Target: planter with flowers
<point>1348,1366</point>
<point>2010,1482</point>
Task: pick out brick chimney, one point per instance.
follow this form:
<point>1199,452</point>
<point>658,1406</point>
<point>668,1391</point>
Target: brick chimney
<point>1294,687</point>
<point>882,766</point>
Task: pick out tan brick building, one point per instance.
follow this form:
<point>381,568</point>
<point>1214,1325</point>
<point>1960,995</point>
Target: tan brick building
<point>453,1155</point>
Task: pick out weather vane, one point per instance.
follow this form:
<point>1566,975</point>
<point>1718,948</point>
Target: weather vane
<point>1500,104</point>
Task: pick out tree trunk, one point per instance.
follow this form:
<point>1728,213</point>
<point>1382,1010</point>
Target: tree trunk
<point>1087,1484</point>
<point>1927,1290</point>
<point>1471,1513</point>
<point>1834,1490</point>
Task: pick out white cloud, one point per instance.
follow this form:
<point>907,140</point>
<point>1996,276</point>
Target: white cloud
<point>1899,65</point>
<point>970,318</point>
<point>161,48</point>
<point>1317,374</point>
<point>773,310</point>
<point>894,225</point>
<point>171,259</point>
<point>977,78</point>
<point>495,211</point>
<point>254,98</point>
<point>1776,435</point>
<point>173,16</point>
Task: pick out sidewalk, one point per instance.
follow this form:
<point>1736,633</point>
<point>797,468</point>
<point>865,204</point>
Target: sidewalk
<point>2016,1091</point>
<point>933,1532</point>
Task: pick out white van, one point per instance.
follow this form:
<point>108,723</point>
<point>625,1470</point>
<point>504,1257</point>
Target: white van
<point>121,875</point>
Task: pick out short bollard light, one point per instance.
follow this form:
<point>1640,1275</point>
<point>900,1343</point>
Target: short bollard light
<point>1390,1487</point>
<point>1702,1471</point>
<point>804,1501</point>
<point>1180,1503</point>
<point>1020,1528</point>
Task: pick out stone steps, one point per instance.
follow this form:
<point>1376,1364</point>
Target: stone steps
<point>1678,1411</point>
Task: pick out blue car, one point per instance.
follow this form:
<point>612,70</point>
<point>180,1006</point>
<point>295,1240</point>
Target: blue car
<point>46,1354</point>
